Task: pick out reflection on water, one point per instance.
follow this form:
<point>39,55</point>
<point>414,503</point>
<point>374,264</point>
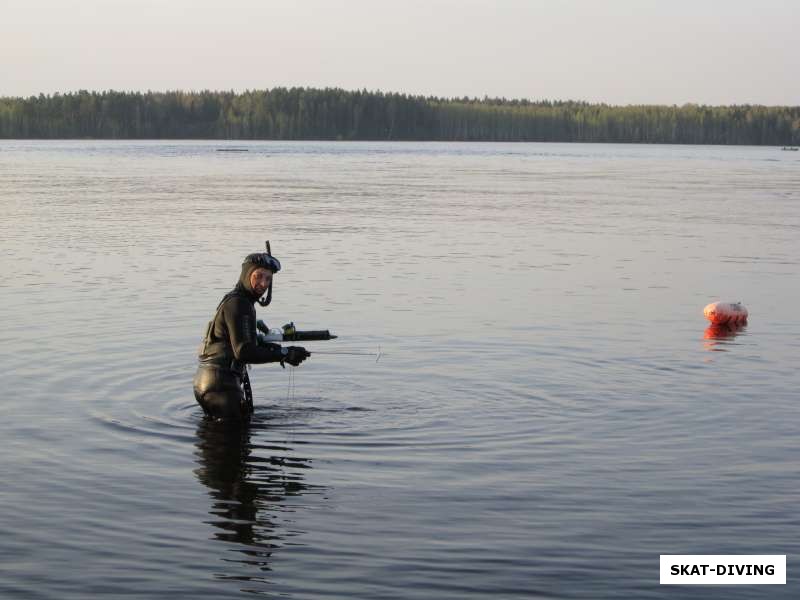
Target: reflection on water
<point>717,336</point>
<point>248,492</point>
<point>546,421</point>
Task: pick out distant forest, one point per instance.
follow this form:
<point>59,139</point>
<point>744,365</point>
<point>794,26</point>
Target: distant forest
<point>336,114</point>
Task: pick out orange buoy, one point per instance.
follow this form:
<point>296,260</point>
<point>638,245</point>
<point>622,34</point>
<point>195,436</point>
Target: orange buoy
<point>726,313</point>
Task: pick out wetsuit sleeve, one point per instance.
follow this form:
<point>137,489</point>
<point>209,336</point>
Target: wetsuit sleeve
<point>240,320</point>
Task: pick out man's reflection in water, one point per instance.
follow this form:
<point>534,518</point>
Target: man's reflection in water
<point>249,488</point>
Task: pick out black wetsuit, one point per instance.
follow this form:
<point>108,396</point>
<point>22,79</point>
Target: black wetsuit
<point>229,345</point>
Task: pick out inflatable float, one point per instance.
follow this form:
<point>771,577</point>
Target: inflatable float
<point>726,313</point>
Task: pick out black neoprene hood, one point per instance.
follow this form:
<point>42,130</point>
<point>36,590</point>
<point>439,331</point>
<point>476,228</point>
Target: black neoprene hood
<point>258,260</point>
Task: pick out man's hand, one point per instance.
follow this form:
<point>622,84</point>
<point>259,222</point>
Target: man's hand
<point>295,355</point>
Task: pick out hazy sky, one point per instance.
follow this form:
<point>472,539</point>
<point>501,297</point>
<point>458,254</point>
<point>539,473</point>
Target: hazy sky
<point>621,52</point>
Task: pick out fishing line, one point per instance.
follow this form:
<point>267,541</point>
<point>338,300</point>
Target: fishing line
<point>377,354</point>
<point>290,389</point>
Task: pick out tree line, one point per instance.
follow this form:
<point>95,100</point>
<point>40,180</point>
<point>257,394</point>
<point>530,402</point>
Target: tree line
<point>337,114</point>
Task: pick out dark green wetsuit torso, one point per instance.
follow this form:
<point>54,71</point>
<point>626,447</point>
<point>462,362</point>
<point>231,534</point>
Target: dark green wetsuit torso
<point>229,345</point>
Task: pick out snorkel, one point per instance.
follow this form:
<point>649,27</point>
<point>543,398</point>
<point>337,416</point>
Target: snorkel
<point>274,265</point>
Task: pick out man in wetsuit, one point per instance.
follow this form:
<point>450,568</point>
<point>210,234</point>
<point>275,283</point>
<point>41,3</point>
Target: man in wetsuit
<point>221,385</point>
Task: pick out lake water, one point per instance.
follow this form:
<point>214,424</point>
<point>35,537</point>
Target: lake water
<point>549,415</point>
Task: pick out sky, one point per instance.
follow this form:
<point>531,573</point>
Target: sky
<point>614,51</point>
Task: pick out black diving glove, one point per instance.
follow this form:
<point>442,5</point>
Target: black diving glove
<point>295,355</point>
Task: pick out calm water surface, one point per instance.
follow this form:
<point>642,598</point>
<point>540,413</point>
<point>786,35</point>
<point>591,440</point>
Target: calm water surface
<point>550,413</point>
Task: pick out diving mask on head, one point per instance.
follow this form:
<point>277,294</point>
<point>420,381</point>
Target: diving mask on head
<point>264,260</point>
